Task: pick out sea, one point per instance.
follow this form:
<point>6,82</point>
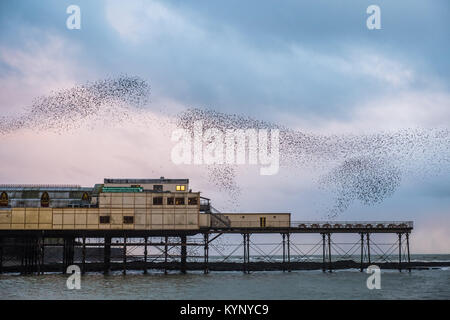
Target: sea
<point>431,283</point>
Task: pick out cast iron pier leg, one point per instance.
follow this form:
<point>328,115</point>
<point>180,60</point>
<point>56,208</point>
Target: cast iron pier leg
<point>324,253</point>
<point>248,252</point>
<point>183,254</point>
<point>284,251</point>
<point>407,246</point>
<point>245,253</point>
<point>68,252</point>
<point>145,254</point>
<point>289,251</point>
<point>362,252</point>
<point>368,248</point>
<point>165,254</point>
<point>83,256</point>
<point>206,253</point>
<point>107,255</point>
<point>1,255</point>
<point>400,252</point>
<point>39,254</point>
<point>329,252</point>
<point>124,271</point>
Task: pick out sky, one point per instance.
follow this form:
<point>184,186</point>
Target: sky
<point>312,66</point>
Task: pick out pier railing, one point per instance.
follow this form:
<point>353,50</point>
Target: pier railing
<point>320,225</point>
<point>351,224</point>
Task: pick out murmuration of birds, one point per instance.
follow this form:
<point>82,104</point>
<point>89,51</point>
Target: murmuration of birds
<point>354,167</point>
<point>366,167</point>
<point>66,109</point>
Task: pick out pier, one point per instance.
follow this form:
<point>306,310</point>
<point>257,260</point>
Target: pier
<point>40,251</point>
<point>161,224</point>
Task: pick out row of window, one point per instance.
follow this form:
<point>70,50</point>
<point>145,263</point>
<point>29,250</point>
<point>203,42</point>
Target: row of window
<point>192,201</point>
<point>126,219</point>
<point>45,199</point>
<point>159,187</point>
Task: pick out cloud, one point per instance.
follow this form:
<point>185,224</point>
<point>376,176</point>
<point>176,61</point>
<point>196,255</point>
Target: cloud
<point>40,65</point>
<point>140,21</point>
<point>404,109</point>
<point>200,62</point>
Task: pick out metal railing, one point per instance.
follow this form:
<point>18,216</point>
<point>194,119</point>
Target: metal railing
<point>308,225</point>
<point>351,224</point>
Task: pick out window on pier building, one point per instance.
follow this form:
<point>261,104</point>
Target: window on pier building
<point>262,222</point>
<point>170,201</point>
<point>193,201</point>
<point>85,197</point>
<point>45,200</point>
<point>4,199</point>
<point>128,219</point>
<point>179,201</point>
<point>181,188</point>
<point>157,201</point>
<point>157,187</point>
<point>104,219</point>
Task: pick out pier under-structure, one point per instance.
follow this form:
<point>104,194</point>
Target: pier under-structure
<point>32,251</point>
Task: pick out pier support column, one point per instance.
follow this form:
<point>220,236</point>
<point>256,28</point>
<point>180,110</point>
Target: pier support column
<point>407,247</point>
<point>206,253</point>
<point>68,252</point>
<point>245,252</point>
<point>21,242</point>
<point>248,252</point>
<point>284,251</point>
<point>329,253</point>
<point>183,254</point>
<point>145,254</point>
<point>107,255</point>
<point>324,253</point>
<point>124,252</point>
<point>368,248</point>
<point>165,254</point>
<point>362,252</point>
<point>39,254</point>
<point>1,255</point>
<point>288,235</point>
<point>29,255</point>
<point>25,255</point>
<point>83,256</point>
<point>42,255</point>
<point>400,252</point>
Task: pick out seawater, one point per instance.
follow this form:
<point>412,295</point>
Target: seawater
<point>344,284</point>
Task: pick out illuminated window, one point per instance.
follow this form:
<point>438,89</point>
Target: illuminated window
<point>181,188</point>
